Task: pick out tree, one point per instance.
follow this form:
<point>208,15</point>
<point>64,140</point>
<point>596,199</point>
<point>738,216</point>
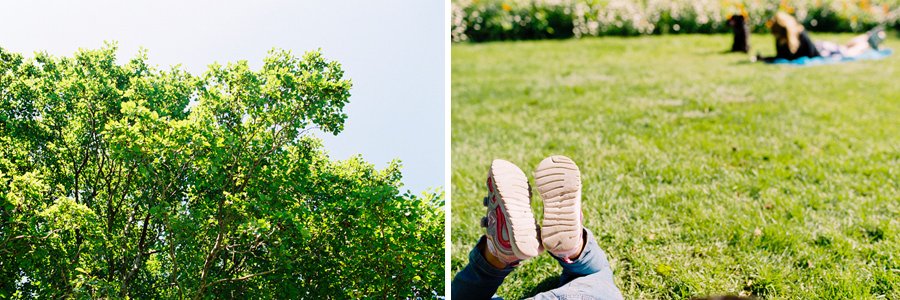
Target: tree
<point>130,181</point>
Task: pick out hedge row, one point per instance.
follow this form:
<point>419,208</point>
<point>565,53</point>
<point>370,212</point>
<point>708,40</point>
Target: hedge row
<point>486,20</point>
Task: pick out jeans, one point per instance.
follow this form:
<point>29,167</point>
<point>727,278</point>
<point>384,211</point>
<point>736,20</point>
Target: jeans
<point>587,277</point>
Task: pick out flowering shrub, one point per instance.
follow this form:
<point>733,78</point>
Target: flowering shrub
<point>484,20</point>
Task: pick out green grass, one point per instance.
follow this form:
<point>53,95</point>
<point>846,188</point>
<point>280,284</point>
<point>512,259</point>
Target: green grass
<point>703,174</point>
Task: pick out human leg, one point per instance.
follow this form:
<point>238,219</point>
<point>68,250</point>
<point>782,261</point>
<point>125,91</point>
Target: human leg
<point>591,260</point>
<point>589,276</point>
<point>510,235</point>
<point>480,279</point>
<point>586,271</point>
<point>864,42</point>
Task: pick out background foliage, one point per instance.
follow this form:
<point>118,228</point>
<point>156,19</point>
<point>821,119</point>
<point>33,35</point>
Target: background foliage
<point>485,20</point>
<point>124,180</point>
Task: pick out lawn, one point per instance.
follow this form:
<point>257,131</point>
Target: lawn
<point>703,173</point>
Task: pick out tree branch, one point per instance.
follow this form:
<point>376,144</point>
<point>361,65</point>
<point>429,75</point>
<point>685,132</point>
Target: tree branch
<point>242,278</point>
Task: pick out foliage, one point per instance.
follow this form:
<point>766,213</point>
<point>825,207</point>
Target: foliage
<point>703,174</point>
<point>127,181</point>
<point>485,20</point>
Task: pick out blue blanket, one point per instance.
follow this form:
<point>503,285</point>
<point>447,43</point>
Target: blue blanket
<point>819,60</point>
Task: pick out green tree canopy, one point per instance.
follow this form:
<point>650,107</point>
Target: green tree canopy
<point>124,180</point>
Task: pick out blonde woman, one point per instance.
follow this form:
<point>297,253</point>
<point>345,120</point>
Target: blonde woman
<point>792,42</point>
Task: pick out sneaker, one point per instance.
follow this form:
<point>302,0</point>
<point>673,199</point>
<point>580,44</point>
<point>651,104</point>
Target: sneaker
<point>876,36</point>
<point>558,181</point>
<point>511,229</point>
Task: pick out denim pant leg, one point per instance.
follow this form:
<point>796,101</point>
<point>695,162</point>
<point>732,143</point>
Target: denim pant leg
<point>587,277</point>
<point>479,279</point>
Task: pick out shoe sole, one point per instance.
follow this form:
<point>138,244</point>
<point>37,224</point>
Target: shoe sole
<point>511,185</point>
<point>558,181</point>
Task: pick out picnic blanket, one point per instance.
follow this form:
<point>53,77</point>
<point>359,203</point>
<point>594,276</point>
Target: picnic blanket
<point>834,59</point>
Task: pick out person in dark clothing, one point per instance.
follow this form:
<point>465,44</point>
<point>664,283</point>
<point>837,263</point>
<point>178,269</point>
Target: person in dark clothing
<point>804,48</point>
<point>792,42</point>
<point>741,30</point>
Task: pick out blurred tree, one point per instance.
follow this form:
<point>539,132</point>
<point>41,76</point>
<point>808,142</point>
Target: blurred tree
<point>128,181</point>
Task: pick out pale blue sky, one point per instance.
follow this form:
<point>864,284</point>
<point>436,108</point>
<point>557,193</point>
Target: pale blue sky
<point>392,50</point>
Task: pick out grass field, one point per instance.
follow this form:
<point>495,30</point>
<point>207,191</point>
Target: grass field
<point>703,174</point>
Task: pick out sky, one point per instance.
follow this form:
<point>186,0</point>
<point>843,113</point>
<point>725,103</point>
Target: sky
<point>393,51</point>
